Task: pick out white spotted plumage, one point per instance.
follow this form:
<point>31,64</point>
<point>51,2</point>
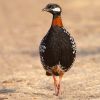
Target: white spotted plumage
<point>42,48</point>
<point>73,44</point>
<point>72,41</point>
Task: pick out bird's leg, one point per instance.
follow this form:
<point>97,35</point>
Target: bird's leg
<point>58,86</point>
<point>55,83</point>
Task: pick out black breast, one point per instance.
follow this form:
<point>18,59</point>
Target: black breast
<point>57,47</point>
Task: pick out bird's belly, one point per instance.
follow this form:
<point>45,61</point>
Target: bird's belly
<point>57,55</point>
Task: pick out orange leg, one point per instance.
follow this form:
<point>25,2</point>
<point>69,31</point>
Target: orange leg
<point>55,83</point>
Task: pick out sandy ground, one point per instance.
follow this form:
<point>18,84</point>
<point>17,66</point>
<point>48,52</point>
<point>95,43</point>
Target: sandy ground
<point>23,25</point>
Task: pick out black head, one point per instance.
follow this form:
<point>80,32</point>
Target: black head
<point>53,9</point>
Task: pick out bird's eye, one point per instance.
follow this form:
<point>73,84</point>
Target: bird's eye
<point>50,6</point>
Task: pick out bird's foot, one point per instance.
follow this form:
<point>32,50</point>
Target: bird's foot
<point>57,90</point>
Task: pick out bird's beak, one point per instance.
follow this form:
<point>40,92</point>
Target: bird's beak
<point>45,9</point>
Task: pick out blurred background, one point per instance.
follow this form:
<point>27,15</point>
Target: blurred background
<point>23,25</point>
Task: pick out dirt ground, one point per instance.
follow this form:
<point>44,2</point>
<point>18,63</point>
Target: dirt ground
<point>23,25</point>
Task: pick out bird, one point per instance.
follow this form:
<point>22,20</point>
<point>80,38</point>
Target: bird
<point>58,48</point>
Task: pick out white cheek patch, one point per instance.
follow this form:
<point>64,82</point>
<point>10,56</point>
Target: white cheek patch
<point>56,9</point>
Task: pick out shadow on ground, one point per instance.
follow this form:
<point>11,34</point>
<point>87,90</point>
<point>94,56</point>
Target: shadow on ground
<point>88,52</point>
<point>5,90</point>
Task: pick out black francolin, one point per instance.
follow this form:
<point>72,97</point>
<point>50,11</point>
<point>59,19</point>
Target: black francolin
<point>57,49</point>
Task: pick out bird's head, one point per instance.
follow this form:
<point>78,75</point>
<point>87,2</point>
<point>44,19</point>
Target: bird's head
<point>54,9</point>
